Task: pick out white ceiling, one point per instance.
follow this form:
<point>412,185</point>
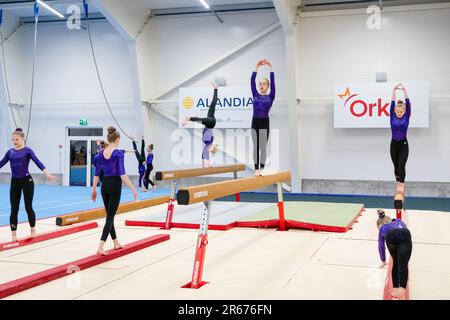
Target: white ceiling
<point>25,9</point>
<point>171,4</point>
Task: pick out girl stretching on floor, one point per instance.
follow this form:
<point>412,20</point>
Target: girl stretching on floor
<point>398,240</point>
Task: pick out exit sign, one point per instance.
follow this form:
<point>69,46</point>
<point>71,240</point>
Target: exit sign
<point>83,122</point>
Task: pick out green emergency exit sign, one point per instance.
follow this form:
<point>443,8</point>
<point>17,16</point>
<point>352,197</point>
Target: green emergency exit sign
<point>83,122</point>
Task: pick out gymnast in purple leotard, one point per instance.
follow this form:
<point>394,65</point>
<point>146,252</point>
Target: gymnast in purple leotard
<point>111,162</point>
<point>21,181</point>
<point>209,122</point>
<point>400,113</point>
<point>262,103</point>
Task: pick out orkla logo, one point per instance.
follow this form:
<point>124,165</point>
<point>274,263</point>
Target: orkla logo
<point>362,108</point>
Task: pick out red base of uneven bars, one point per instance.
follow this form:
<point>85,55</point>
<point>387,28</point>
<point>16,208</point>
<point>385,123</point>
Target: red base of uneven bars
<point>47,236</point>
<point>388,286</point>
<point>39,278</point>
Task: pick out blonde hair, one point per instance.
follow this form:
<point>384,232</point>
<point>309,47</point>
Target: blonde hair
<point>382,218</point>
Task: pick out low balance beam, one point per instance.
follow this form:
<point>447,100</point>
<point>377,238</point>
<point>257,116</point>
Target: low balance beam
<point>197,172</point>
<point>47,236</point>
<point>174,175</point>
<point>34,280</point>
<point>98,213</point>
<point>208,192</point>
<point>389,287</point>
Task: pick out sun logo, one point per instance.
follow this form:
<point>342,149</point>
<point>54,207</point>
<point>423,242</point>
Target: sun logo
<point>347,96</point>
<point>188,102</point>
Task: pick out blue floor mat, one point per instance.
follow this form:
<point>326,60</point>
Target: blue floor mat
<point>51,201</point>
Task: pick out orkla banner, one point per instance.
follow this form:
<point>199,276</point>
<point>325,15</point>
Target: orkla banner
<point>367,105</point>
<point>234,108</point>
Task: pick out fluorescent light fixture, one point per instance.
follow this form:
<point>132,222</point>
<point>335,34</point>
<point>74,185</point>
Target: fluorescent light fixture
<point>205,4</point>
<point>46,6</point>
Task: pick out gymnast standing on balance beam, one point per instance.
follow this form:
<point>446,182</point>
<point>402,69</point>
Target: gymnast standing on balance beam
<point>398,240</point>
<point>400,113</point>
<point>262,103</point>
<point>209,122</point>
<point>141,161</point>
<point>111,160</point>
<point>21,181</point>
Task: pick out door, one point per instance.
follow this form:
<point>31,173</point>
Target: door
<point>93,153</point>
<point>78,173</point>
<point>81,147</point>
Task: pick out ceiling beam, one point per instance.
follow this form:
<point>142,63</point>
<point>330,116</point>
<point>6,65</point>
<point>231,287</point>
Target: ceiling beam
<point>287,10</point>
<point>218,8</point>
<point>127,17</point>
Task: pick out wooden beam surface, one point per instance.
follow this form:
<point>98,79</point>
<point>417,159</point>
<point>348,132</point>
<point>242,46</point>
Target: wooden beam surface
<point>206,192</point>
<point>197,172</point>
<point>98,213</point>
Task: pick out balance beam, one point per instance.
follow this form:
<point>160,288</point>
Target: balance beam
<point>45,276</point>
<point>88,215</point>
<point>197,172</point>
<point>46,236</point>
<point>207,192</point>
<point>389,287</point>
<point>190,173</point>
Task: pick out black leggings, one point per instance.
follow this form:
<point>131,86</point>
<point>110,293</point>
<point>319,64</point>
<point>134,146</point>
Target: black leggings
<point>147,179</point>
<point>210,121</point>
<point>111,193</point>
<point>399,245</point>
<point>140,157</point>
<point>399,156</point>
<point>25,185</point>
<point>260,138</point>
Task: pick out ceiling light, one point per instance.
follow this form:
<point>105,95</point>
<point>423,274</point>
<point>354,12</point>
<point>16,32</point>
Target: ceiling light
<point>204,4</point>
<point>46,6</point>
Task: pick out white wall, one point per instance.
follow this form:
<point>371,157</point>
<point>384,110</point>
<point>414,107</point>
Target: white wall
<point>172,48</point>
<point>66,87</point>
<point>10,24</point>
<point>412,45</point>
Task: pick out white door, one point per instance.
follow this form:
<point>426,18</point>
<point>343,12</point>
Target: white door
<point>80,151</point>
